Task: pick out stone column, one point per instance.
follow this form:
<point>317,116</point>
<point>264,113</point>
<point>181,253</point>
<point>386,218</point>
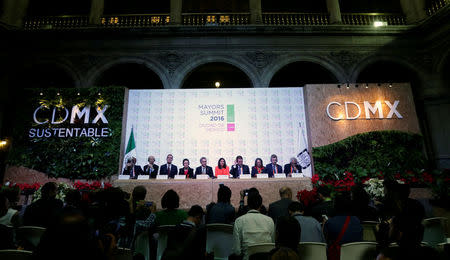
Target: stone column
<point>14,12</point>
<point>414,10</point>
<point>255,11</point>
<point>176,7</point>
<point>96,11</point>
<point>335,11</point>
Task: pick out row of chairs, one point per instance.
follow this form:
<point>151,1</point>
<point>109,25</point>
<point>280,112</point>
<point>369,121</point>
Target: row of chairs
<point>318,251</point>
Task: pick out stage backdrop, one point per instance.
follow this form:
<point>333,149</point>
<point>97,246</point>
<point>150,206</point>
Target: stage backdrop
<point>217,123</point>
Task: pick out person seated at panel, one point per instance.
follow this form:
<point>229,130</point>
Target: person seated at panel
<point>292,167</point>
<point>132,169</point>
<point>258,168</point>
<point>186,170</point>
<point>239,168</point>
<point>273,168</point>
<point>151,168</point>
<point>168,168</point>
<point>222,168</point>
<point>204,169</point>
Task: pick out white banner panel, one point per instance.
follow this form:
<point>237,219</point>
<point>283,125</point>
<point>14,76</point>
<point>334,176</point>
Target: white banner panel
<point>215,123</point>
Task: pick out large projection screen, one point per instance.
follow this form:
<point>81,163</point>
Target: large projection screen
<point>215,123</point>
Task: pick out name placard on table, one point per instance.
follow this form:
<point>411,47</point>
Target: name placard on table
<point>222,177</point>
<point>143,177</point>
<point>124,177</point>
<point>162,177</point>
<point>262,176</point>
<point>202,177</point>
<point>280,176</point>
<point>180,177</point>
<point>297,175</point>
<point>245,176</point>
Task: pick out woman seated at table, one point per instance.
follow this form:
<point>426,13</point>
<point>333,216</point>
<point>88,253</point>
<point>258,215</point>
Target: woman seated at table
<point>222,168</point>
<point>186,170</point>
<point>258,168</point>
<point>292,167</point>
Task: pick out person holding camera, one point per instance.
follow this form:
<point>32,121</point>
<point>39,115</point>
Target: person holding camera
<point>243,209</point>
<point>132,169</point>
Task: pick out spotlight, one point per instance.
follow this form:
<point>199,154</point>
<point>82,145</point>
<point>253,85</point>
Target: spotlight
<point>217,84</point>
<point>78,93</point>
<point>3,142</point>
<point>57,94</point>
<point>99,93</point>
<point>41,94</point>
<point>390,85</point>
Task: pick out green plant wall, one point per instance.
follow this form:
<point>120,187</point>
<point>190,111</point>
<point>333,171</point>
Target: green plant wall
<point>369,154</point>
<point>69,157</point>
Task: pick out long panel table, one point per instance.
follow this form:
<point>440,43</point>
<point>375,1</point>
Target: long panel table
<point>203,192</point>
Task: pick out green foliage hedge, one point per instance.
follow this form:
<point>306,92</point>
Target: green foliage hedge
<point>369,154</point>
<point>71,157</point>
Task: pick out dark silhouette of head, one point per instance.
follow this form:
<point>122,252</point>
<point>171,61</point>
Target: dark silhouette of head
<point>224,194</point>
<point>49,190</point>
<point>170,200</point>
<point>254,200</point>
<point>196,214</point>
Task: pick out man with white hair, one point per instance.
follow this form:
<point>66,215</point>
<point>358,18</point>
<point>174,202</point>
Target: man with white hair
<point>292,167</point>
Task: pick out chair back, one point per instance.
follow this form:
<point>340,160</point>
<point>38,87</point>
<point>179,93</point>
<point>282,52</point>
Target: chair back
<point>142,245</point>
<point>369,230</point>
<point>162,234</point>
<point>312,251</point>
<point>359,251</point>
<point>219,239</point>
<point>435,229</point>
<point>10,254</point>
<point>260,249</point>
<point>30,234</point>
<point>123,254</point>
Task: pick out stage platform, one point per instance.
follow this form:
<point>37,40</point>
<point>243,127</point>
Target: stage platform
<point>203,192</point>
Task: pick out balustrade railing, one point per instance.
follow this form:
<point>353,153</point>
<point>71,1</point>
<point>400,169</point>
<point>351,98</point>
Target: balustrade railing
<point>209,19</point>
<point>295,18</point>
<point>135,20</point>
<point>436,5</point>
<point>212,19</point>
<point>371,18</point>
<point>53,22</point>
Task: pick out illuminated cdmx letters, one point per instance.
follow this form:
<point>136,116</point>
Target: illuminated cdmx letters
<point>85,112</point>
<point>369,110</point>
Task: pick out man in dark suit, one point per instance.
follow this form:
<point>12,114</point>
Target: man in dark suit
<point>239,168</point>
<point>273,168</point>
<point>280,208</point>
<point>204,169</point>
<point>292,167</point>
<point>168,168</point>
<point>132,169</point>
<point>151,168</point>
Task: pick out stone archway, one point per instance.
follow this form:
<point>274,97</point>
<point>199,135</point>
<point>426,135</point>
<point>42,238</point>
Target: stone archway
<point>154,69</point>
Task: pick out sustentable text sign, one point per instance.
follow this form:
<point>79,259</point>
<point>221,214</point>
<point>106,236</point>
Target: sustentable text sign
<point>84,121</point>
<point>335,113</point>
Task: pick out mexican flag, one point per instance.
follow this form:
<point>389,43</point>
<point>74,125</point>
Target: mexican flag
<point>131,148</point>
